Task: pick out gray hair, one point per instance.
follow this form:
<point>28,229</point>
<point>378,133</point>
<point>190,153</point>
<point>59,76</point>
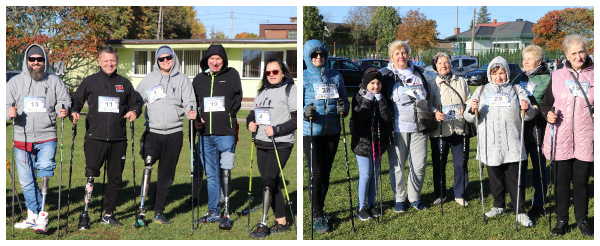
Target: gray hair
<point>109,50</point>
<point>396,45</point>
<point>535,50</point>
<point>573,39</point>
<point>440,54</point>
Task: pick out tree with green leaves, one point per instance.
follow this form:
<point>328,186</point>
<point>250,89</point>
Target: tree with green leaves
<point>359,19</point>
<point>313,23</point>
<point>384,24</point>
<point>217,34</point>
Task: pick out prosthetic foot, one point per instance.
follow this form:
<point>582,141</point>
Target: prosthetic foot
<point>225,185</point>
<point>42,221</point>
<point>84,218</point>
<point>139,222</point>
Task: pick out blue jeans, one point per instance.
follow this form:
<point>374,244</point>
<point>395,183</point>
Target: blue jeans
<point>366,180</point>
<point>216,152</point>
<point>532,151</point>
<point>41,158</point>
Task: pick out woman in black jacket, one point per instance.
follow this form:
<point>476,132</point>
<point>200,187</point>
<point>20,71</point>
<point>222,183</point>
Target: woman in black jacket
<point>370,116</point>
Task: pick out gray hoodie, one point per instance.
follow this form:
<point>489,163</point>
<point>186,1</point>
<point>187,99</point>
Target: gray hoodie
<point>499,129</point>
<point>35,127</point>
<point>165,115</point>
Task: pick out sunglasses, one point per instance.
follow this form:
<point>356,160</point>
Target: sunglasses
<point>162,59</point>
<point>39,59</point>
<point>275,72</point>
<point>316,54</point>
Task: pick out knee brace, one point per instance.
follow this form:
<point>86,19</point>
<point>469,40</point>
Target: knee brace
<point>266,202</point>
<point>89,187</point>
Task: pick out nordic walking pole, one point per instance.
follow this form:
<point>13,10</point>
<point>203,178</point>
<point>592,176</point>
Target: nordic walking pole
<point>520,161</point>
<point>131,126</point>
<point>14,191</point>
<point>347,170</point>
<point>379,173</point>
<point>62,130</point>
<point>442,188</point>
<point>373,150</point>
<point>103,187</point>
<point>287,195</point>
<point>70,172</point>
<point>192,167</point>
<point>310,183</point>
<point>13,181</point>
<point>475,110</point>
<point>537,141</point>
<point>552,164</point>
<point>250,178</point>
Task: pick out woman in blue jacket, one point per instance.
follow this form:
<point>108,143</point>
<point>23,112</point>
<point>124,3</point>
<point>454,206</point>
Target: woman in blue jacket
<point>325,101</point>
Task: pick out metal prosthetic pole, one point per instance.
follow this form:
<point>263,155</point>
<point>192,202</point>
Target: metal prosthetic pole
<point>266,204</point>
<point>225,185</point>
<point>44,193</point>
<point>139,222</point>
<point>287,195</point>
<point>517,206</point>
<point>84,218</point>
<point>62,130</point>
<point>70,173</point>
<point>347,171</point>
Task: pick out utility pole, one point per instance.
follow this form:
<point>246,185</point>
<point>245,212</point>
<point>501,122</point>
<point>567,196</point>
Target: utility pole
<point>231,28</point>
<point>473,35</point>
<point>456,16</point>
<point>159,29</point>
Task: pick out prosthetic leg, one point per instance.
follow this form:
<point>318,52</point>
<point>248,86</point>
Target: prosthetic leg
<point>225,187</point>
<point>261,229</point>
<point>42,221</point>
<point>144,190</point>
<point>84,218</point>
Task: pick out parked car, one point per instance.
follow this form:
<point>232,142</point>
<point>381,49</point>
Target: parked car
<point>463,64</point>
<point>10,74</point>
<point>373,63</point>
<point>479,76</point>
<point>351,72</point>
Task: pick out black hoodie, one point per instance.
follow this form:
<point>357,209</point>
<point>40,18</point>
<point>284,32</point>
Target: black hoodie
<point>225,83</point>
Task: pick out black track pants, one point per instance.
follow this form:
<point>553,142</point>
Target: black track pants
<point>96,152</point>
<point>324,148</point>
<point>269,171</point>
<point>579,173</point>
<point>508,172</point>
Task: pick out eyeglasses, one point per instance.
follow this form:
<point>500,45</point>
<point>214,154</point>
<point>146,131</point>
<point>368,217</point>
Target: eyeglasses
<point>162,59</point>
<point>316,54</point>
<point>275,72</point>
<point>39,59</point>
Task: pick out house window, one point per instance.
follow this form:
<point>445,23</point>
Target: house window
<point>254,61</point>
<point>189,61</point>
<point>292,34</point>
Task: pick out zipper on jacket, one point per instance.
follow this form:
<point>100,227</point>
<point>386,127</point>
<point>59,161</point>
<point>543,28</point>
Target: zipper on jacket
<point>230,122</point>
<point>108,122</point>
<point>212,83</point>
<point>573,119</point>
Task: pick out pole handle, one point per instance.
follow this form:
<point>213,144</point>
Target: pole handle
<point>476,112</point>
<point>522,113</point>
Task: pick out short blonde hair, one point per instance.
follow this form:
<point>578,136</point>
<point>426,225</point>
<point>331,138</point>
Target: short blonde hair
<point>535,50</point>
<point>396,45</point>
<point>572,39</point>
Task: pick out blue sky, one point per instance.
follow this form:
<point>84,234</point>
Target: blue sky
<point>445,16</point>
<point>245,19</point>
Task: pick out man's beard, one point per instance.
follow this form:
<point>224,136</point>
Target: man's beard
<point>36,75</point>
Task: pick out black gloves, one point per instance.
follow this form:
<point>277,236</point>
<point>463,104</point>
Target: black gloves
<point>310,111</point>
<point>341,108</point>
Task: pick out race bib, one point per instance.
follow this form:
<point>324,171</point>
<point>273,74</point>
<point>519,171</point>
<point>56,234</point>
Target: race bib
<point>415,91</point>
<point>498,99</point>
<point>157,92</point>
<point>214,104</point>
<point>263,116</point>
<point>574,88</point>
<point>528,86</point>
<point>35,104</point>
<point>108,104</point>
<point>452,112</point>
<point>325,91</point>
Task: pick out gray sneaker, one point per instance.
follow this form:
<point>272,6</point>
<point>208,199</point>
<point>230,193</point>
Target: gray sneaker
<point>524,220</point>
<point>495,211</point>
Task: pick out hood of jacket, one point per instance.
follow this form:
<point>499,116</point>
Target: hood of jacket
<point>214,49</point>
<point>498,62</point>
<point>174,69</point>
<point>311,46</point>
<point>46,66</point>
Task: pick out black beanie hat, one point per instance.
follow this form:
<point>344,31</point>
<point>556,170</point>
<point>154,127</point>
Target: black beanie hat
<point>35,50</point>
<point>370,75</point>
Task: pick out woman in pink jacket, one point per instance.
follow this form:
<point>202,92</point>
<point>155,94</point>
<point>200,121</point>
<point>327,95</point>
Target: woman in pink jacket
<point>569,138</point>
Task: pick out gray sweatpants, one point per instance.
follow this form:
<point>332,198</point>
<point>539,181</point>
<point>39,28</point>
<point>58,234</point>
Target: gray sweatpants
<point>398,154</point>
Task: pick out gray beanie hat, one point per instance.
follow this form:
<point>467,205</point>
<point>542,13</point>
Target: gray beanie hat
<point>163,50</point>
<point>35,50</point>
<point>498,62</point>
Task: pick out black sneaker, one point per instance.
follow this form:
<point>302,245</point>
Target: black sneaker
<point>363,214</point>
<point>585,229</point>
<point>225,223</point>
<point>279,227</point>
<point>374,212</point>
<point>160,218</point>
<point>84,221</point>
<point>209,217</point>
<point>535,210</point>
<point>261,231</point>
<point>560,229</point>
<point>509,205</point>
<point>110,220</point>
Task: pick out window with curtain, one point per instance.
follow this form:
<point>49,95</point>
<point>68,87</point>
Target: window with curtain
<point>191,61</point>
<point>291,62</point>
<point>251,63</point>
<point>141,62</point>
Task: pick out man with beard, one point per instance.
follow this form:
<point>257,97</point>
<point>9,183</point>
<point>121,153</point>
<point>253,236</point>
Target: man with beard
<point>111,98</point>
<point>39,98</point>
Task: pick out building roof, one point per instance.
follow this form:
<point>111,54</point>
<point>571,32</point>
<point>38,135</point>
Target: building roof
<point>278,23</point>
<point>492,24</point>
<point>198,41</point>
<point>511,29</point>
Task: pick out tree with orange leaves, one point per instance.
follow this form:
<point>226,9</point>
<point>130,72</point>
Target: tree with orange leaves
<point>418,29</point>
<point>552,28</point>
<point>246,35</point>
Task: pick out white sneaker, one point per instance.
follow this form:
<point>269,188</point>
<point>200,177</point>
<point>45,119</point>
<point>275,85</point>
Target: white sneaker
<point>524,220</point>
<point>29,222</point>
<point>495,211</point>
<point>439,200</point>
<point>41,223</point>
<point>461,202</point>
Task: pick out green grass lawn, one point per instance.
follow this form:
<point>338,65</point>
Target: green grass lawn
<point>456,223</point>
<point>176,210</point>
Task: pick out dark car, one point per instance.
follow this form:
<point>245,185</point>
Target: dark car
<point>373,63</point>
<point>479,76</point>
<point>351,72</point>
<point>10,74</point>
